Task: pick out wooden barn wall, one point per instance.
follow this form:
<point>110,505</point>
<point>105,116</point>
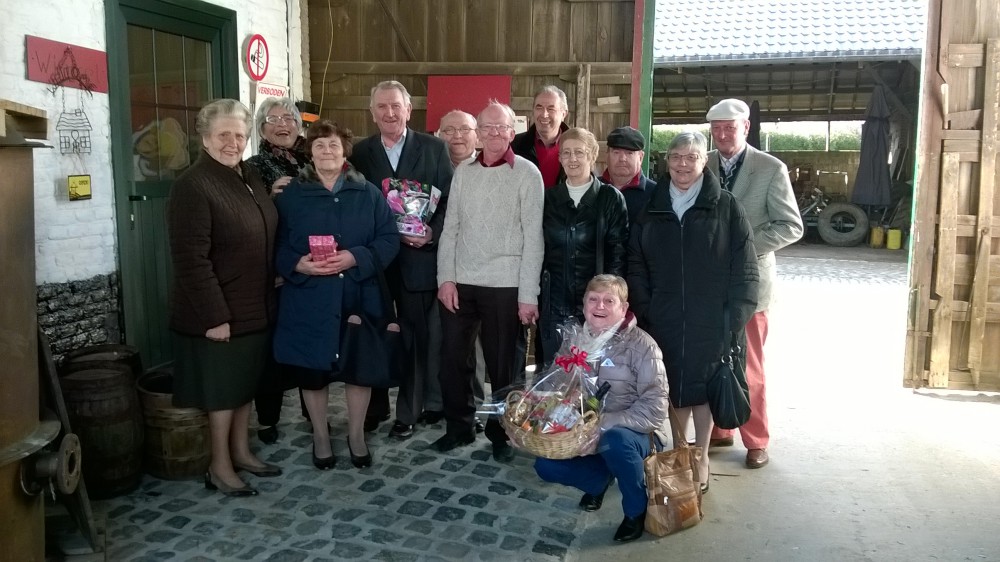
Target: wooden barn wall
<point>354,44</point>
<point>954,324</point>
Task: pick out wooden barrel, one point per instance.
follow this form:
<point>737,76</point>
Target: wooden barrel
<point>107,352</point>
<point>104,412</point>
<point>177,439</point>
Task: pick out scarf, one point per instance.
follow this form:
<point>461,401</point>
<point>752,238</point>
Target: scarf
<point>681,201</point>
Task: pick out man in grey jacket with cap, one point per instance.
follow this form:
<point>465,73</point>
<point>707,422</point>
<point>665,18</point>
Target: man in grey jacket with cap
<point>760,183</point>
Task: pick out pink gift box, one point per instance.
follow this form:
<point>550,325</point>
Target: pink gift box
<point>322,247</point>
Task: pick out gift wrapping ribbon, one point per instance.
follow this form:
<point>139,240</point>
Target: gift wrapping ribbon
<point>575,358</point>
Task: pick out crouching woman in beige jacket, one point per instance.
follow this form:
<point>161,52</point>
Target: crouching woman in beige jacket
<point>635,406</point>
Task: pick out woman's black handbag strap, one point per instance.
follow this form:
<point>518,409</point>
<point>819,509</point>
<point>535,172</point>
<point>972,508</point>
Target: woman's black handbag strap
<point>388,307</point>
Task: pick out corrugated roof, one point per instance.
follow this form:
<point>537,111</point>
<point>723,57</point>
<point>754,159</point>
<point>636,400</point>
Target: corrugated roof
<point>729,30</point>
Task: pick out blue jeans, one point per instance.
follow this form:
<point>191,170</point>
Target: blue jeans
<point>620,453</point>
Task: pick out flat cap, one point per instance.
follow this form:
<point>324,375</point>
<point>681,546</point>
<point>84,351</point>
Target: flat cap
<point>729,109</point>
<point>626,138</point>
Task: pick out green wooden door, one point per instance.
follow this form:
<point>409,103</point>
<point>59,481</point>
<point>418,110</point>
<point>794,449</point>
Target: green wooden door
<point>166,60</point>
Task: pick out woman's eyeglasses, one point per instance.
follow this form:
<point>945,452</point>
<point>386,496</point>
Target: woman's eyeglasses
<point>280,119</point>
<point>678,158</point>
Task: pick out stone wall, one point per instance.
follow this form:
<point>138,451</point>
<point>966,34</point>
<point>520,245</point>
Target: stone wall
<point>79,313</point>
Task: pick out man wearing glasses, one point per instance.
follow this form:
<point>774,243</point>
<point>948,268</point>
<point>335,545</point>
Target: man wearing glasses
<point>458,130</point>
<point>760,183</point>
<point>398,151</point>
<point>489,263</point>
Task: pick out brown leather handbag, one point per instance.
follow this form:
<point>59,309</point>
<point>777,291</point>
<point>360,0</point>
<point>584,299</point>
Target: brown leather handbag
<point>672,485</point>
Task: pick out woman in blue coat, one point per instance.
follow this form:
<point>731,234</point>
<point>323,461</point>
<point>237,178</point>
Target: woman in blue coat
<point>329,198</point>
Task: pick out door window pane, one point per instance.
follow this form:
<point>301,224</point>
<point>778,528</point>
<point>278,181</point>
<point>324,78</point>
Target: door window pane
<point>170,80</point>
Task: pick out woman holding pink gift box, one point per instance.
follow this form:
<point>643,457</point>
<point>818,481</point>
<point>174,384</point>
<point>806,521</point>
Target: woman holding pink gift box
<point>329,199</point>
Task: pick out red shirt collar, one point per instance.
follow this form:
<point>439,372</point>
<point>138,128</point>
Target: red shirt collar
<point>508,158</point>
<point>634,182</point>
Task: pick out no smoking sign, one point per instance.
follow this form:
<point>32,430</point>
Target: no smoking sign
<point>257,57</point>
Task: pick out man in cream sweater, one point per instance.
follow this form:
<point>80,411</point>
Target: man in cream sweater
<point>489,264</point>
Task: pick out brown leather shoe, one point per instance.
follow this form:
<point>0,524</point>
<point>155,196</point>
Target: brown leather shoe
<point>722,442</point>
<point>757,458</point>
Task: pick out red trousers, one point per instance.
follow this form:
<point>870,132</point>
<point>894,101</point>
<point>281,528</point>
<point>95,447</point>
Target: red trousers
<point>754,433</point>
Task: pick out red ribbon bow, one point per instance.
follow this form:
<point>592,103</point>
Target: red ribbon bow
<point>576,357</point>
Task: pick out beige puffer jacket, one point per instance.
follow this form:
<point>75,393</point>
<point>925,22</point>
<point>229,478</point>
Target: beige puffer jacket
<point>634,366</point>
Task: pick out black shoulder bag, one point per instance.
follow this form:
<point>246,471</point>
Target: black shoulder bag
<point>728,394</point>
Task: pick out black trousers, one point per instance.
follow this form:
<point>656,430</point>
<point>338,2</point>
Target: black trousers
<point>493,311</point>
<point>421,323</point>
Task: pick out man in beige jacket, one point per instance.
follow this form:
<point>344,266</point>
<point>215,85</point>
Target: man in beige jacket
<point>760,183</point>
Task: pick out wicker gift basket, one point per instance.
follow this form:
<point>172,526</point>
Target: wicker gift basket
<point>581,439</point>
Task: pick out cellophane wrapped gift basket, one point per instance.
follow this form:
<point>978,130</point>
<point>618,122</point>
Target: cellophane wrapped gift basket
<point>558,417</point>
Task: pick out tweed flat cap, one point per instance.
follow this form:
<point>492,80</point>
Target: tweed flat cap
<point>728,109</point>
<point>626,138</point>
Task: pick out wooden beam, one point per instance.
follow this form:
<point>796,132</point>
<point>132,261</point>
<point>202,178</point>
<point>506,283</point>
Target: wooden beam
<point>967,120</point>
<point>926,191</point>
<point>944,282</point>
<point>987,176</point>
<point>399,31</point>
<point>946,134</point>
<point>966,55</point>
<point>583,96</point>
<point>467,68</point>
<point>29,121</point>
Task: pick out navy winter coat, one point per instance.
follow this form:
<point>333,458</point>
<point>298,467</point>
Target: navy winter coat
<point>692,282</point>
<point>313,308</point>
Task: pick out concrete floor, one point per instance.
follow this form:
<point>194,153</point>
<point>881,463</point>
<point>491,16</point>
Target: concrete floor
<point>861,468</point>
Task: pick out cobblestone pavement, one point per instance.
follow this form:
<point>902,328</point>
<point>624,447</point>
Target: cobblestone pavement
<point>417,504</point>
<point>412,504</point>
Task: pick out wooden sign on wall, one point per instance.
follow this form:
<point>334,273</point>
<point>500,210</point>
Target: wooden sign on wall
<point>62,64</point>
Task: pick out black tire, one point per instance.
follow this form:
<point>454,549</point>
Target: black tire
<point>843,224</point>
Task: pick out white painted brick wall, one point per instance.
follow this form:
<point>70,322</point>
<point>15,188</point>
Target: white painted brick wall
<point>77,239</point>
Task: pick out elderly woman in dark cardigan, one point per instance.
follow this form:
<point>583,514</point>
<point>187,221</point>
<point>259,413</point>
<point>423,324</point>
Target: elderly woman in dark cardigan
<point>330,198</point>
<point>221,225</point>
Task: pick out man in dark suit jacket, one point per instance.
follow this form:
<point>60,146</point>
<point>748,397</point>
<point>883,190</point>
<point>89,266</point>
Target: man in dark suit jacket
<point>397,151</point>
<point>540,143</point>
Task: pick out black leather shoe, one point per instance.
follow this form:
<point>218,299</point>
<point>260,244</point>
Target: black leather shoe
<point>400,430</point>
<point>212,484</point>
<point>591,502</point>
<point>448,442</point>
<point>631,528</point>
<point>479,426</point>
<point>429,417</point>
<point>503,452</point>
<point>325,463</point>
<point>360,462</point>
<point>371,422</point>
<point>268,435</point>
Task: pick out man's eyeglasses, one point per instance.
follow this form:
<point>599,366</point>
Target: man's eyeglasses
<point>280,119</point>
<point>678,158</point>
<point>486,129</point>
<point>452,130</point>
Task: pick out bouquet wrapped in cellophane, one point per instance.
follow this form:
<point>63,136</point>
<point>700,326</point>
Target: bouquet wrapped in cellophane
<point>412,203</point>
<point>558,417</point>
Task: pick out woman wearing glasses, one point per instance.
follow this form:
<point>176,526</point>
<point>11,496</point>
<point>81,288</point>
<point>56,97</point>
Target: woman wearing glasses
<point>692,274</point>
<point>585,227</point>
<point>281,154</point>
<point>280,157</point>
